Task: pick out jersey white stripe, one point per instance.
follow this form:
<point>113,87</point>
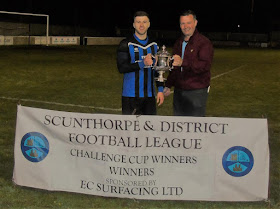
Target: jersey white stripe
<point>143,47</point>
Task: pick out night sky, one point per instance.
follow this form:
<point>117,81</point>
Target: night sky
<point>213,16</point>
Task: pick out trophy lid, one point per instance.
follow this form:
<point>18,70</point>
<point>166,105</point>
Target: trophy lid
<point>163,52</point>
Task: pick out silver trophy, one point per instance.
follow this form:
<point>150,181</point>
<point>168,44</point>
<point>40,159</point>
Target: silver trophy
<point>162,64</point>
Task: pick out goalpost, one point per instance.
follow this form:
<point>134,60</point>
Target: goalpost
<point>31,14</point>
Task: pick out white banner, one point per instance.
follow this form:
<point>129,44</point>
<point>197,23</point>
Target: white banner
<point>6,40</point>
<point>41,40</point>
<point>2,40</point>
<point>142,157</point>
<point>64,40</point>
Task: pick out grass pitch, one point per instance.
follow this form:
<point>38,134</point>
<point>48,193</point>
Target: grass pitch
<point>245,83</point>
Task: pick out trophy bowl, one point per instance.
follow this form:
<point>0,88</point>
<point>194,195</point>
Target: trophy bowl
<point>162,64</point>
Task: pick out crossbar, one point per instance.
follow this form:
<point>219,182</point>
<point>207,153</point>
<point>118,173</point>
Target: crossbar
<point>31,14</point>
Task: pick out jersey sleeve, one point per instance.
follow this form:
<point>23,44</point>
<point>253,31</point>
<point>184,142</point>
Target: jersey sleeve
<point>123,59</point>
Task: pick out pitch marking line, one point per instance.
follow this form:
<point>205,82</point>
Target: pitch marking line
<point>92,107</point>
<point>217,76</point>
<point>57,103</point>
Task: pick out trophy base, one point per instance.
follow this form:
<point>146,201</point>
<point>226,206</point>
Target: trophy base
<point>160,79</point>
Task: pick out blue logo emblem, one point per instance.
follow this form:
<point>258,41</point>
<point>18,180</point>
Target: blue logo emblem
<point>238,161</point>
<point>34,146</point>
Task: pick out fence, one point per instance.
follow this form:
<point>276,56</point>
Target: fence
<point>39,40</point>
<point>26,34</point>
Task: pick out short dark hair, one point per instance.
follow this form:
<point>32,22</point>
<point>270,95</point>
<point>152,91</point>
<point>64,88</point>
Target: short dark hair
<point>188,12</point>
<point>140,13</point>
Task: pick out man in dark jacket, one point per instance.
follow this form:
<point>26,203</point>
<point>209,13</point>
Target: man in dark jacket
<point>193,55</point>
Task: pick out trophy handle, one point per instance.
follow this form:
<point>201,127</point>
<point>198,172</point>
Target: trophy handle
<point>155,57</point>
<point>170,62</point>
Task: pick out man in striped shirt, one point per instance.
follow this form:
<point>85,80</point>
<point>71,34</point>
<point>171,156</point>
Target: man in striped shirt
<point>134,60</point>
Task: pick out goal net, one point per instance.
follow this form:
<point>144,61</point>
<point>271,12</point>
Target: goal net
<point>23,28</point>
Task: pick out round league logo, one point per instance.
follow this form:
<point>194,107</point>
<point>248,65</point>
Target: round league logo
<point>34,146</point>
<point>238,161</point>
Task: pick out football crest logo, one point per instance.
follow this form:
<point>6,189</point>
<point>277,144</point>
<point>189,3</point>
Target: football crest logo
<point>34,146</point>
<point>238,161</point>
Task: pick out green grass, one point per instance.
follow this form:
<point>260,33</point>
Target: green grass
<point>88,76</point>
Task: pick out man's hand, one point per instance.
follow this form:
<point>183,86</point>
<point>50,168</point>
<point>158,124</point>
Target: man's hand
<point>166,91</point>
<point>148,60</point>
<point>177,60</point>
<point>160,98</point>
